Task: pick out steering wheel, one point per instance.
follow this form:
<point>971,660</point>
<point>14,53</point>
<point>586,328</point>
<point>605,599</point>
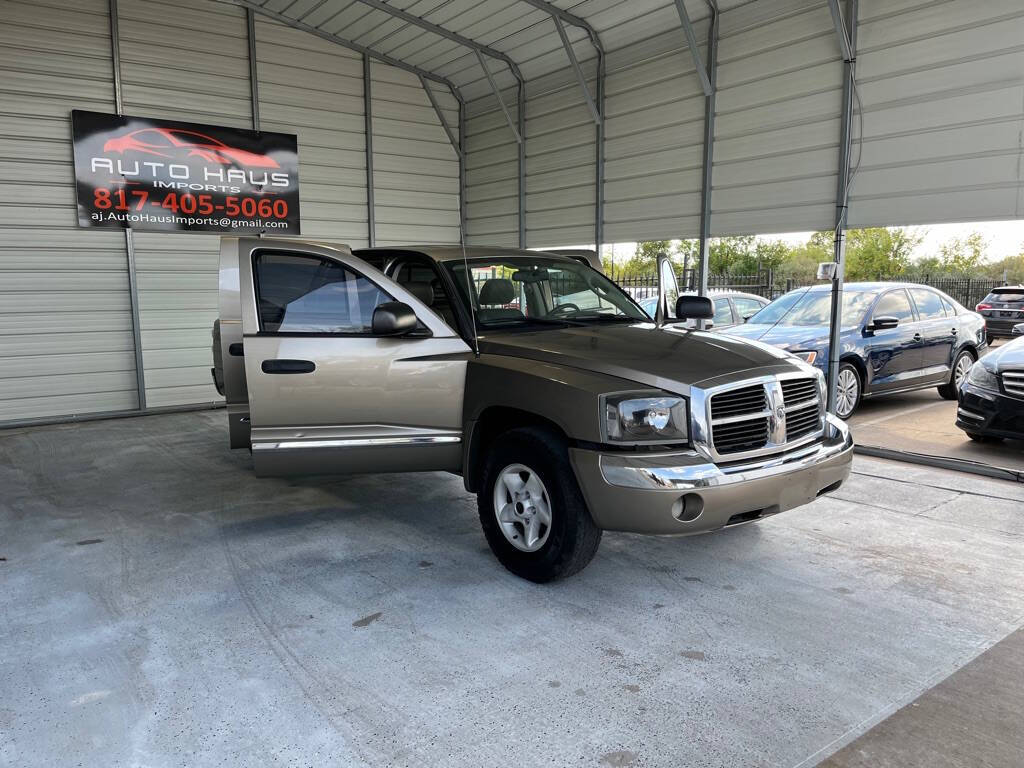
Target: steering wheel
<point>567,308</point>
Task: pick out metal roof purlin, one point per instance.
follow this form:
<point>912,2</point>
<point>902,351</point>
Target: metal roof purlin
<point>383,57</point>
<point>691,41</point>
<point>429,26</point>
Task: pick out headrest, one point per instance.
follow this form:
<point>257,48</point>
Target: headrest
<point>497,291</point>
<point>422,291</point>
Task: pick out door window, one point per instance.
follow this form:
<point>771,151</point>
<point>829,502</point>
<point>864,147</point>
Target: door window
<point>929,305</point>
<point>723,312</point>
<point>309,294</point>
<point>746,307</point>
<point>895,304</point>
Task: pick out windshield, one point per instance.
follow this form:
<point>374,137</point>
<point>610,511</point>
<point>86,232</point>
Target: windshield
<point>538,290</point>
<point>813,308</point>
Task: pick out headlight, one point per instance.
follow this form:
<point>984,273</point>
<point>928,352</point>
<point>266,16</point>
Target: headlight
<point>982,377</point>
<point>807,357</point>
<point>645,417</point>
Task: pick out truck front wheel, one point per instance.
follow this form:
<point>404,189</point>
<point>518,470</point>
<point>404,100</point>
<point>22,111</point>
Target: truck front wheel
<point>531,508</point>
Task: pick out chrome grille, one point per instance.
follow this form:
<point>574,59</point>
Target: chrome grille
<point>739,402</point>
<point>1013,383</point>
<point>765,415</point>
<point>803,410</point>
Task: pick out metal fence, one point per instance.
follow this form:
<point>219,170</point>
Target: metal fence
<point>969,291</point>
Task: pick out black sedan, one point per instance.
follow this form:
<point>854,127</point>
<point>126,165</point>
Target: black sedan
<point>991,398</point>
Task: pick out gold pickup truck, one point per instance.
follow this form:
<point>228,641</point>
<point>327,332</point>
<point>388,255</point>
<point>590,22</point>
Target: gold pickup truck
<point>565,407</point>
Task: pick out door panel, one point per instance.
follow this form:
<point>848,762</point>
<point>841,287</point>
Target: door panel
<point>937,335</point>
<point>894,355</point>
<point>325,394</point>
<point>232,348</point>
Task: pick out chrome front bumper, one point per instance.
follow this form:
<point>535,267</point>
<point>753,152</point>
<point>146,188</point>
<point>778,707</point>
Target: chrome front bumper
<point>682,493</point>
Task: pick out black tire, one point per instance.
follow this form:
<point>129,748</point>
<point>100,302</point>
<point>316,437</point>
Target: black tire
<point>850,367</point>
<point>573,538</point>
<point>948,390</point>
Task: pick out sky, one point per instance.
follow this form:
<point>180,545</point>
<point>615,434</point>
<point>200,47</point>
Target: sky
<point>1004,238</point>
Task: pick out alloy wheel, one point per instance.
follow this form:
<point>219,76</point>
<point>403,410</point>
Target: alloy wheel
<point>963,365</point>
<point>847,393</point>
<point>523,507</point>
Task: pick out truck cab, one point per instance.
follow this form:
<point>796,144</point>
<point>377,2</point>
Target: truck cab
<point>564,406</point>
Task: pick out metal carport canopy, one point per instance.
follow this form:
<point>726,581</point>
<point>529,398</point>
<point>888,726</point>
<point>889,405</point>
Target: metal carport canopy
<point>620,140</point>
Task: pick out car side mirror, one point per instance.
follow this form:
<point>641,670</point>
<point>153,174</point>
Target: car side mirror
<point>694,308</point>
<point>393,318</point>
<point>883,323</point>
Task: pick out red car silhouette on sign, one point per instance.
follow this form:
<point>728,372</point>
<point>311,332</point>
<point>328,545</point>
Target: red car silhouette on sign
<point>174,143</point>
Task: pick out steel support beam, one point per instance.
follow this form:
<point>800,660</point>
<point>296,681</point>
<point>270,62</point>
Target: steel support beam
<point>595,113</point>
<point>708,159</point>
<point>455,37</point>
<point>845,44</point>
<point>300,25</point>
<point>440,116</point>
<point>563,15</point>
<point>848,34</point>
<point>521,161</point>
<point>599,141</point>
<point>462,172</point>
<point>129,241</point>
<point>371,215</point>
<point>704,73</point>
<point>497,94</point>
<point>254,79</point>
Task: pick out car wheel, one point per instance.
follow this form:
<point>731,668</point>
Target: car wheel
<point>848,390</point>
<point>964,360</point>
<point>531,508</point>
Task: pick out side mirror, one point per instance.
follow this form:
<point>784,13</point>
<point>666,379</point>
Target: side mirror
<point>393,318</point>
<point>694,307</point>
<point>883,323</point>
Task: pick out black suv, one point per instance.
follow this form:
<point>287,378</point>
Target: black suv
<point>1002,309</point>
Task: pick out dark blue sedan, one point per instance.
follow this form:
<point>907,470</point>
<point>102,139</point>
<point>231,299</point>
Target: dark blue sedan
<point>895,337</point>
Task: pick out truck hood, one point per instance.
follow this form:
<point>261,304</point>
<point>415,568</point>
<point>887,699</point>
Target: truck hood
<point>668,358</point>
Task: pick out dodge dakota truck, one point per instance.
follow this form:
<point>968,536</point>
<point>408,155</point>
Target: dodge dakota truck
<point>565,407</point>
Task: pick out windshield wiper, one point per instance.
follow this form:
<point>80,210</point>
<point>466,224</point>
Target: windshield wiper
<point>614,318</point>
<point>519,321</point>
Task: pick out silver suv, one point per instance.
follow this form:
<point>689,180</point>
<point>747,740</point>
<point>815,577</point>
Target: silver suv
<point>561,403</point>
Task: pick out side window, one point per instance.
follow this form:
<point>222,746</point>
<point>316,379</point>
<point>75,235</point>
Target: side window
<point>746,307</point>
<point>929,305</point>
<point>723,312</point>
<point>895,304</point>
<point>308,294</point>
<point>950,309</point>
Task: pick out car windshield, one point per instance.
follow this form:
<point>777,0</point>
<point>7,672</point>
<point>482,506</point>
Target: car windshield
<point>531,291</point>
<point>813,308</point>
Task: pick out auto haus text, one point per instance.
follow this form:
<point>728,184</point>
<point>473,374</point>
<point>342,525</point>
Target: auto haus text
<point>225,180</point>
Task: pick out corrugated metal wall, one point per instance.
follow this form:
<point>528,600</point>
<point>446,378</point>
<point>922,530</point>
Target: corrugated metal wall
<point>777,119</point>
<point>66,345</point>
<point>492,174</point>
<point>314,88</point>
<point>65,319</point>
<point>943,91</point>
<point>416,169</point>
<point>654,138</point>
<point>177,274</point>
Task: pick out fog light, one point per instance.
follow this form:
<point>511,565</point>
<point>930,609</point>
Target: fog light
<point>688,508</point>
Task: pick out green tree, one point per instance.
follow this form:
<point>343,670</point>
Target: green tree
<point>644,259</point>
<point>879,252</point>
<point>963,256</point>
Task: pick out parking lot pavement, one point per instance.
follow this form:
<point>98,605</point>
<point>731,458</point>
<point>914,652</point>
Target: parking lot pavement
<point>161,606</point>
<point>922,422</point>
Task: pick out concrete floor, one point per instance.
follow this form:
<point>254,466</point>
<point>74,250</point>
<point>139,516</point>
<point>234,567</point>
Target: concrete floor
<point>922,422</point>
<point>159,606</point>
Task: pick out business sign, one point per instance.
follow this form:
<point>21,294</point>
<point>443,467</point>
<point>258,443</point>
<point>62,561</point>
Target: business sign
<point>169,176</point>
